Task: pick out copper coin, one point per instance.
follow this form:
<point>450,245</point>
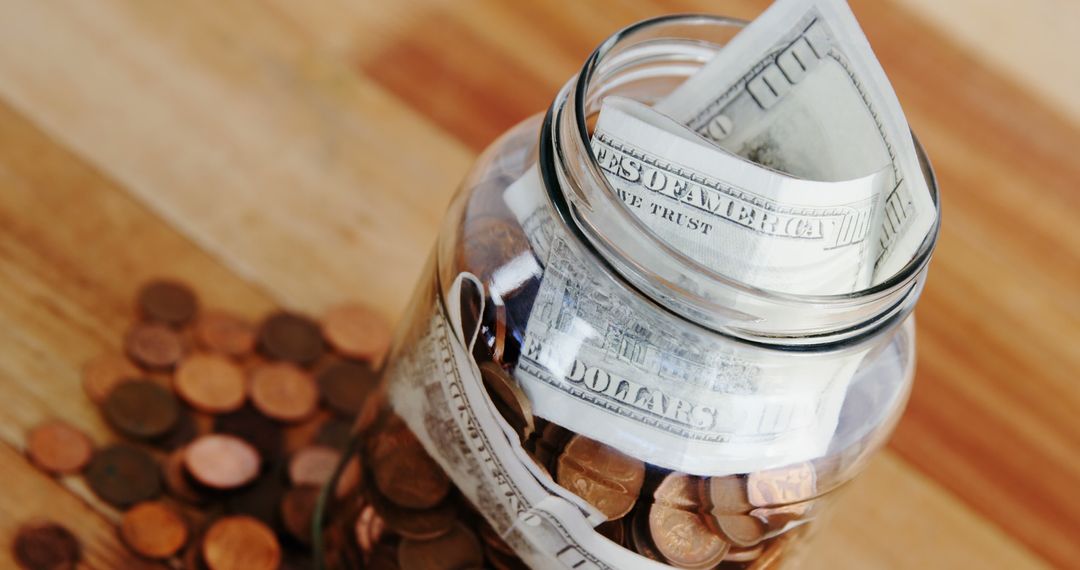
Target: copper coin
<point>241,543</point>
<point>683,539</point>
<point>211,383</point>
<point>369,528</point>
<point>740,530</point>
<point>615,531</point>
<point>57,447</point>
<point>103,373</point>
<point>744,554</point>
<point>605,477</point>
<point>291,337</point>
<point>782,486</point>
<point>640,539</point>
<point>346,385</point>
<point>122,475</point>
<point>350,477</point>
<point>357,331</point>
<point>506,389</point>
<point>491,538</point>
<point>283,392</point>
<point>142,409</point>
<point>175,477</point>
<point>188,426</point>
<point>168,302</point>
<point>456,550</point>
<point>154,345</point>
<point>222,461</point>
<point>225,333</point>
<point>298,511</point>
<point>46,546</point>
<point>419,524</point>
<point>409,477</point>
<point>677,490</point>
<point>154,530</point>
<point>254,428</point>
<point>725,495</point>
<point>313,465</point>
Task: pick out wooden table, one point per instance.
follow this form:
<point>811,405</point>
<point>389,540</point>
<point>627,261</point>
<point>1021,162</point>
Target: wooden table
<point>301,153</point>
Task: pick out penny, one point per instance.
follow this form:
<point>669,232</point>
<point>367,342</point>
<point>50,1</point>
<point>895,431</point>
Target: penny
<point>349,479</point>
<point>154,530</point>
<point>210,383</point>
<point>57,447</point>
<point>240,543</point>
<point>168,302</point>
<point>410,478</point>
<point>357,331</point>
<point>369,528</point>
<point>123,475</point>
<point>222,461</point>
<point>225,333</point>
<point>298,510</point>
<point>313,465</point>
<point>782,486</point>
<point>744,554</point>
<point>175,477</point>
<point>615,531</point>
<point>346,385</point>
<point>419,524</point>
<point>192,559</point>
<point>254,428</point>
<point>683,539</point>
<point>141,409</point>
<point>640,539</point>
<point>456,550</point>
<point>740,530</point>
<point>507,390</point>
<point>605,477</point>
<point>154,345</point>
<point>677,490</point>
<point>283,392</point>
<point>725,495</point>
<point>291,337</point>
<point>46,546</point>
<point>187,427</point>
<point>104,373</point>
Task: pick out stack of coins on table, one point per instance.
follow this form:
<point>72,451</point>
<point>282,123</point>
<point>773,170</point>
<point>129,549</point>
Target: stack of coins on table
<point>231,430</point>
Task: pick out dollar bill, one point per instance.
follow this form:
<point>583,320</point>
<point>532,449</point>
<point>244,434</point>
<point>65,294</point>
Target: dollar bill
<point>756,225</point>
<point>799,90</point>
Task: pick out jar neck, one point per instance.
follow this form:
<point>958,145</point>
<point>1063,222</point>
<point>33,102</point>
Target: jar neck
<point>661,53</point>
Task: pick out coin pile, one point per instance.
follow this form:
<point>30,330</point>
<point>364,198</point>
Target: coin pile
<point>230,431</point>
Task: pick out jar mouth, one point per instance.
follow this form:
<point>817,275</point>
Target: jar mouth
<point>843,314</point>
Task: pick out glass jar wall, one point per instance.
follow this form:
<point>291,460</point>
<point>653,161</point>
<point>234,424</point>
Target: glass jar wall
<point>564,394</point>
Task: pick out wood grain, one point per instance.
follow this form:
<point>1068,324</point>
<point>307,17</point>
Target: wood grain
<point>275,152</point>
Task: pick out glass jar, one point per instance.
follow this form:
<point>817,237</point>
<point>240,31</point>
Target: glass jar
<point>568,391</point>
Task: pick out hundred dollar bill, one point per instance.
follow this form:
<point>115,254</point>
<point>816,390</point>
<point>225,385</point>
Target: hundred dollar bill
<point>799,90</point>
<point>756,225</point>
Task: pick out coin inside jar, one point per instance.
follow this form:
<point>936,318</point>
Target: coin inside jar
<point>57,447</point>
<point>225,333</point>
<point>313,465</point>
<point>104,373</point>
<point>291,337</point>
<point>419,524</point>
<point>605,477</point>
<point>122,475</point>
<point>409,477</point>
<point>725,495</point>
<point>456,550</point>
<point>357,331</point>
<point>241,543</point>
<point>740,530</point>
<point>46,546</point>
<point>210,383</point>
<point>782,486</point>
<point>167,301</point>
<point>154,530</point>
<point>507,391</point>
<point>142,409</point>
<point>683,538</point>
<point>222,461</point>
<point>154,345</point>
<point>283,392</point>
<point>346,386</point>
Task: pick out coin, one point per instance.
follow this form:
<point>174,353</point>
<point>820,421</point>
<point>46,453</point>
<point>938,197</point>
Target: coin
<point>490,242</point>
<point>222,461</point>
<point>605,477</point>
<point>313,465</point>
<point>103,373</point>
<point>349,479</point>
<point>683,539</point>
<point>57,447</point>
<point>154,345</point>
<point>506,390</point>
<point>678,490</point>
<point>241,543</point>
<point>456,550</point>
<point>357,331</point>
<point>744,554</point>
<point>141,409</point>
<point>188,426</point>
<point>165,301</point>
<point>725,495</point>
<point>615,531</point>
<point>409,477</point>
<point>369,528</point>
<point>419,524</point>
<point>192,559</point>
<point>225,333</point>
<point>254,428</point>
<point>154,530</point>
<point>283,392</point>
<point>123,475</point>
<point>740,530</point>
<point>46,546</point>
<point>782,486</point>
<point>291,337</point>
<point>175,477</point>
<point>298,510</point>
<point>346,385</point>
<point>210,383</point>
